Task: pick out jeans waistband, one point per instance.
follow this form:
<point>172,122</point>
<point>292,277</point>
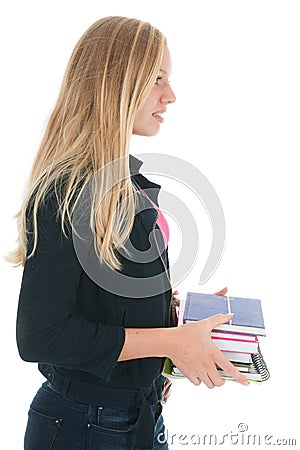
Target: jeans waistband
<point>82,392</point>
<point>92,394</point>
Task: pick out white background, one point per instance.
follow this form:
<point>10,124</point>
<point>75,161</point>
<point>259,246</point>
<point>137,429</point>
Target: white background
<point>236,75</point>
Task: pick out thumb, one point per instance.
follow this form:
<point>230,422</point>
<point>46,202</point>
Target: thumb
<point>219,319</point>
<point>222,291</point>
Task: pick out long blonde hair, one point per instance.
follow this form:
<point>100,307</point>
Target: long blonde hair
<point>110,73</point>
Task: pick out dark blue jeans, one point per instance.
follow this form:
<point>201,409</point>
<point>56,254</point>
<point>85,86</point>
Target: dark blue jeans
<point>57,423</point>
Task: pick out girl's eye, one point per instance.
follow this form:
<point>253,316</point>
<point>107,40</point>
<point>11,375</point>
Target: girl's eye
<point>157,80</point>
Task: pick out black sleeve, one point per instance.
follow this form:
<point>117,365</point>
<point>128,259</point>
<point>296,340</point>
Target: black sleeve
<point>48,329</point>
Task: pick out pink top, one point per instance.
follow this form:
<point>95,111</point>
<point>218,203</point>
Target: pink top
<point>161,221</point>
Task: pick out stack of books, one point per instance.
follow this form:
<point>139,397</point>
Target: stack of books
<point>239,339</point>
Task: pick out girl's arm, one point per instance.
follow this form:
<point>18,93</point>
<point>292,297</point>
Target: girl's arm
<point>49,329</point>
<point>188,346</point>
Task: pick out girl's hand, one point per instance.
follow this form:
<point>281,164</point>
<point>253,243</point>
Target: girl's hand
<point>195,355</point>
<point>176,301</point>
<point>222,292</point>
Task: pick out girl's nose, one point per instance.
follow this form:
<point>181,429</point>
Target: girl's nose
<point>169,96</point>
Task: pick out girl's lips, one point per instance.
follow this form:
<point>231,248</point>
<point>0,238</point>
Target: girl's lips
<point>158,117</point>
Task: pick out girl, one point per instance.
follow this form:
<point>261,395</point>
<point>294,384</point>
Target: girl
<point>100,348</point>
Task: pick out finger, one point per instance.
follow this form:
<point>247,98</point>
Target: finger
<point>208,375</point>
<point>192,377</point>
<point>219,319</point>
<point>222,291</point>
<point>195,380</point>
<point>207,381</point>
<point>203,376</point>
<point>212,378</point>
<point>229,368</point>
<point>198,382</point>
<point>215,377</point>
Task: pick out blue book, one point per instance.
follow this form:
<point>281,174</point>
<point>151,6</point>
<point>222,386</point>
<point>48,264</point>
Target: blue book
<point>247,312</point>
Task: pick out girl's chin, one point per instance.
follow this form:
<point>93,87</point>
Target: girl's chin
<point>153,131</point>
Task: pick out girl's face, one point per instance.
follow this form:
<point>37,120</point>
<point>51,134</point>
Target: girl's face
<point>149,116</point>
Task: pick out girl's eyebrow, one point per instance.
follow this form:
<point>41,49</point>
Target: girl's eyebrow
<point>165,72</point>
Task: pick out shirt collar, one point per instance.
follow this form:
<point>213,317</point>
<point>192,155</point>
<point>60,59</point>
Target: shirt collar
<point>134,164</point>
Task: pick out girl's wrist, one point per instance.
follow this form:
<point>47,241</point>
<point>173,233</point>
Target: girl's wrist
<point>149,342</point>
<point>171,342</point>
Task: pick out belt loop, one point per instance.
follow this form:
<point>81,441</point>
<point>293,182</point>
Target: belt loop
<point>92,416</point>
<point>146,425</point>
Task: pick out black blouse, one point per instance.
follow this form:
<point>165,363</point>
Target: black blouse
<point>75,329</point>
